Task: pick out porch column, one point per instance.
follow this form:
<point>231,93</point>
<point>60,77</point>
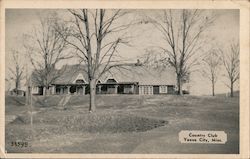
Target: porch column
<point>99,89</point>
<point>83,90</point>
<point>133,89</point>
<point>116,86</point>
<point>61,90</point>
<point>68,89</point>
<point>44,90</point>
<point>53,89</point>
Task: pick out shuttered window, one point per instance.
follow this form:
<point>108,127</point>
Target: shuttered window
<point>150,90</point>
<point>163,89</point>
<point>140,89</point>
<point>35,89</point>
<point>146,90</point>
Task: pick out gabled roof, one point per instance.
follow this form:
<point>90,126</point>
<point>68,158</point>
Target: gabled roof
<point>142,75</point>
<point>70,74</point>
<point>37,76</point>
<point>126,74</point>
<point>66,75</point>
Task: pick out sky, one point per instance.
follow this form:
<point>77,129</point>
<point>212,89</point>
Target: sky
<point>224,30</point>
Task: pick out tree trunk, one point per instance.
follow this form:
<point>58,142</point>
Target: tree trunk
<point>28,95</point>
<point>92,95</point>
<point>213,88</point>
<point>17,86</point>
<point>179,84</point>
<point>232,89</point>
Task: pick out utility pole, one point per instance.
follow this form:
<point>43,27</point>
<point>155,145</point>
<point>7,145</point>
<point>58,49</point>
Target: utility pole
<point>27,86</point>
<point>29,101</point>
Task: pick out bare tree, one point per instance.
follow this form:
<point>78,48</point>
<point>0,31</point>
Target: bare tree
<point>154,59</point>
<point>231,63</point>
<point>182,31</point>
<point>211,67</point>
<point>8,85</point>
<point>17,71</point>
<point>90,35</point>
<point>46,48</point>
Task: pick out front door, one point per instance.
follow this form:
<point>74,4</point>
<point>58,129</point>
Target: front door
<point>156,90</point>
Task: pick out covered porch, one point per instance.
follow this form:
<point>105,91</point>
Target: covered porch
<point>72,89</point>
<point>106,88</point>
<point>117,88</point>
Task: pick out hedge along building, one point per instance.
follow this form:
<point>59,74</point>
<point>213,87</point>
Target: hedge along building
<point>135,79</point>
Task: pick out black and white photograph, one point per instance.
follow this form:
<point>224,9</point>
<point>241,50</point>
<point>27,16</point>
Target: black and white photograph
<point>122,81</point>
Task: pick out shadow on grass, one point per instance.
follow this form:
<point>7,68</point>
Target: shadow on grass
<point>105,122</point>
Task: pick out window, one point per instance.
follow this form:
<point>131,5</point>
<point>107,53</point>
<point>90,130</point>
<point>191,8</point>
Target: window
<point>150,90</point>
<point>35,89</point>
<point>146,90</point>
<point>163,89</point>
<point>79,81</point>
<point>140,89</point>
<point>111,81</point>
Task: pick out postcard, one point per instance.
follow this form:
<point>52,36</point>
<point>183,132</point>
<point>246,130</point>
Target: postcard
<point>124,79</point>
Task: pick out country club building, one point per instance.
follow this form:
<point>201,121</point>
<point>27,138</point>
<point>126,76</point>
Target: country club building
<point>135,79</point>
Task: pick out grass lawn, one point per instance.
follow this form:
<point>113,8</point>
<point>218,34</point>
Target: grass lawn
<point>121,124</point>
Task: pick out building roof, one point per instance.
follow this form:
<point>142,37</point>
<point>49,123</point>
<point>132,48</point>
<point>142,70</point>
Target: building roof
<point>142,75</point>
<point>127,74</point>
<point>70,74</point>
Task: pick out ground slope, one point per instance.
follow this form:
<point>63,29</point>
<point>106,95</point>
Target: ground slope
<point>123,124</point>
